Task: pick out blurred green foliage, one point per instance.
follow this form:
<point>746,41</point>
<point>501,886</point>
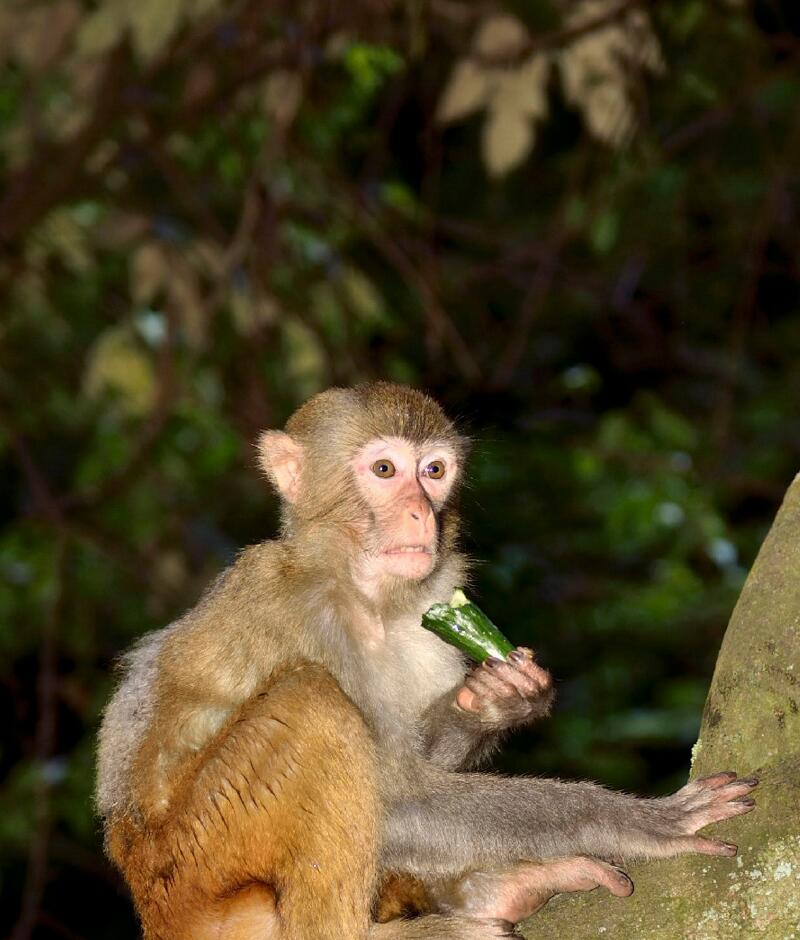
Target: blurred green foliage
<point>211,211</point>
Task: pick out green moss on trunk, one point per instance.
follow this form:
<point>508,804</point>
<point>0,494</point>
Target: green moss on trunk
<point>751,724</point>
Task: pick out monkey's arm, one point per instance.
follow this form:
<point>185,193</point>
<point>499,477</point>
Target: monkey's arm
<point>465,725</point>
<point>448,822</point>
<point>453,738</point>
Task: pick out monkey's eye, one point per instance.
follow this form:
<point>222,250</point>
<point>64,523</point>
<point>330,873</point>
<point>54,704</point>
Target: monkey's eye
<point>434,470</point>
<point>383,469</point>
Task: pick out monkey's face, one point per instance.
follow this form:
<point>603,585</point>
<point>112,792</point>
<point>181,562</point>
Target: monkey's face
<point>404,485</point>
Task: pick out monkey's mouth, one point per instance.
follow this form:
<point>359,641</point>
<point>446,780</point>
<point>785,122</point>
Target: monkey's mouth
<point>408,550</point>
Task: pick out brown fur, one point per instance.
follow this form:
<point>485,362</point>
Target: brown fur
<point>401,895</point>
<point>282,798</point>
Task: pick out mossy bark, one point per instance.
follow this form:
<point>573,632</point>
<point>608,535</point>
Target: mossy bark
<point>751,724</point>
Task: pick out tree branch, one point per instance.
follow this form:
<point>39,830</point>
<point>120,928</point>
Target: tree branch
<point>45,744</point>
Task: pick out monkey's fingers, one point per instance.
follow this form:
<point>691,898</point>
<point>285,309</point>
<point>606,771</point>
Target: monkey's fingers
<point>726,785</point>
<point>712,799</point>
<point>482,690</point>
<point>525,658</point>
<point>468,700</point>
<point>529,680</point>
<point>522,661</point>
<point>507,680</point>
<point>485,683</point>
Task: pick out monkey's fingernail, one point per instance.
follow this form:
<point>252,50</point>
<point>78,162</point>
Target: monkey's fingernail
<point>747,801</point>
<point>493,662</point>
<point>749,781</point>
<point>515,656</point>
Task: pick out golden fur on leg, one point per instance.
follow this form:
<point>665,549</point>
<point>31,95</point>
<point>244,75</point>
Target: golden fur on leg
<point>271,831</point>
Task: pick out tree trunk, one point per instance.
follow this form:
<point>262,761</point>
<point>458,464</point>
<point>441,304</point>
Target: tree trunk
<point>751,724</point>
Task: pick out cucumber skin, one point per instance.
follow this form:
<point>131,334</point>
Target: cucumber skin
<point>468,629</point>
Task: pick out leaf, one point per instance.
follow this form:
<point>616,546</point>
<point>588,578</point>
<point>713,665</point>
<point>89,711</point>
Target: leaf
<point>195,9</point>
<point>251,312</point>
<point>362,296</point>
<point>186,299</point>
<point>118,367</point>
<point>525,88</point>
<point>102,29</point>
<point>467,90</point>
<point>119,229</point>
<point>10,18</point>
<point>597,69</point>
<point>283,93</point>
<point>43,31</point>
<point>153,23</point>
<point>149,269</point>
<point>500,36</point>
<point>508,137</point>
<point>62,236</point>
<point>306,363</point>
<point>604,232</point>
<point>326,307</point>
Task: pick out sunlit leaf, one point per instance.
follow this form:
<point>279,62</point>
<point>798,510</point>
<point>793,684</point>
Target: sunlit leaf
<point>42,32</point>
<point>362,295</point>
<point>62,236</point>
<point>103,28</point>
<point>119,369</point>
<point>500,35</point>
<point>306,362</point>
<point>197,8</point>
<point>153,23</point>
<point>186,300</point>
<point>465,92</point>
<point>149,269</point>
<point>283,92</point>
<point>252,312</point>
<point>524,88</point>
<point>508,137</point>
<point>597,68</point>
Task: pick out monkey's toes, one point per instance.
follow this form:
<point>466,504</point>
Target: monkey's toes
<point>612,877</point>
<point>621,885</point>
<point>710,846</point>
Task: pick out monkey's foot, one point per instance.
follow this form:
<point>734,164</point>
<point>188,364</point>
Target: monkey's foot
<point>508,692</point>
<point>709,800</point>
<point>513,893</point>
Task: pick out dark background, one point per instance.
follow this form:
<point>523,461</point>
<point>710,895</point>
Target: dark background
<point>211,211</point>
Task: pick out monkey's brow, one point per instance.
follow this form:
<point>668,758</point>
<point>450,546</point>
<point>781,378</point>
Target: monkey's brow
<point>437,443</point>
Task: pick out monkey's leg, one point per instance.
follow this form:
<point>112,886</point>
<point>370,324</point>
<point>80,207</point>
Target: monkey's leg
<point>508,894</point>
<point>272,833</point>
<point>516,891</point>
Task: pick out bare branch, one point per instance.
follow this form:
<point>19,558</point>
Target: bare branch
<point>45,745</point>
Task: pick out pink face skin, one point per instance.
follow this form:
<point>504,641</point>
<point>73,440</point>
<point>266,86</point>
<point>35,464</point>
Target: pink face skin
<point>403,484</point>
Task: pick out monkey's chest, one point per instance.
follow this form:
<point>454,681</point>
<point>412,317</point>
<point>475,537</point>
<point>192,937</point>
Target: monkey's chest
<point>408,672</point>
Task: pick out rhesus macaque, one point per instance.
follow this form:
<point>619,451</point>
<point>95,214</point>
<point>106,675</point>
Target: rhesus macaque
<point>298,738</point>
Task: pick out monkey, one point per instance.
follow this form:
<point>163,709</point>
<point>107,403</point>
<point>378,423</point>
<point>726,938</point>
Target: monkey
<point>295,757</point>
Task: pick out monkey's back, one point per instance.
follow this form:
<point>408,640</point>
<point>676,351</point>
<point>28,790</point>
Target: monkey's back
<point>209,651</point>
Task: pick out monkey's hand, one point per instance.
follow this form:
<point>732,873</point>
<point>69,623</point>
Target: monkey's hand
<point>704,801</point>
<point>509,693</point>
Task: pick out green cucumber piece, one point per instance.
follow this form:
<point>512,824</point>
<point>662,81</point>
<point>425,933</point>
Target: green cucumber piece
<point>464,625</point>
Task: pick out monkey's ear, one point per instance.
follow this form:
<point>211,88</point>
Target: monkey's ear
<point>281,458</point>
